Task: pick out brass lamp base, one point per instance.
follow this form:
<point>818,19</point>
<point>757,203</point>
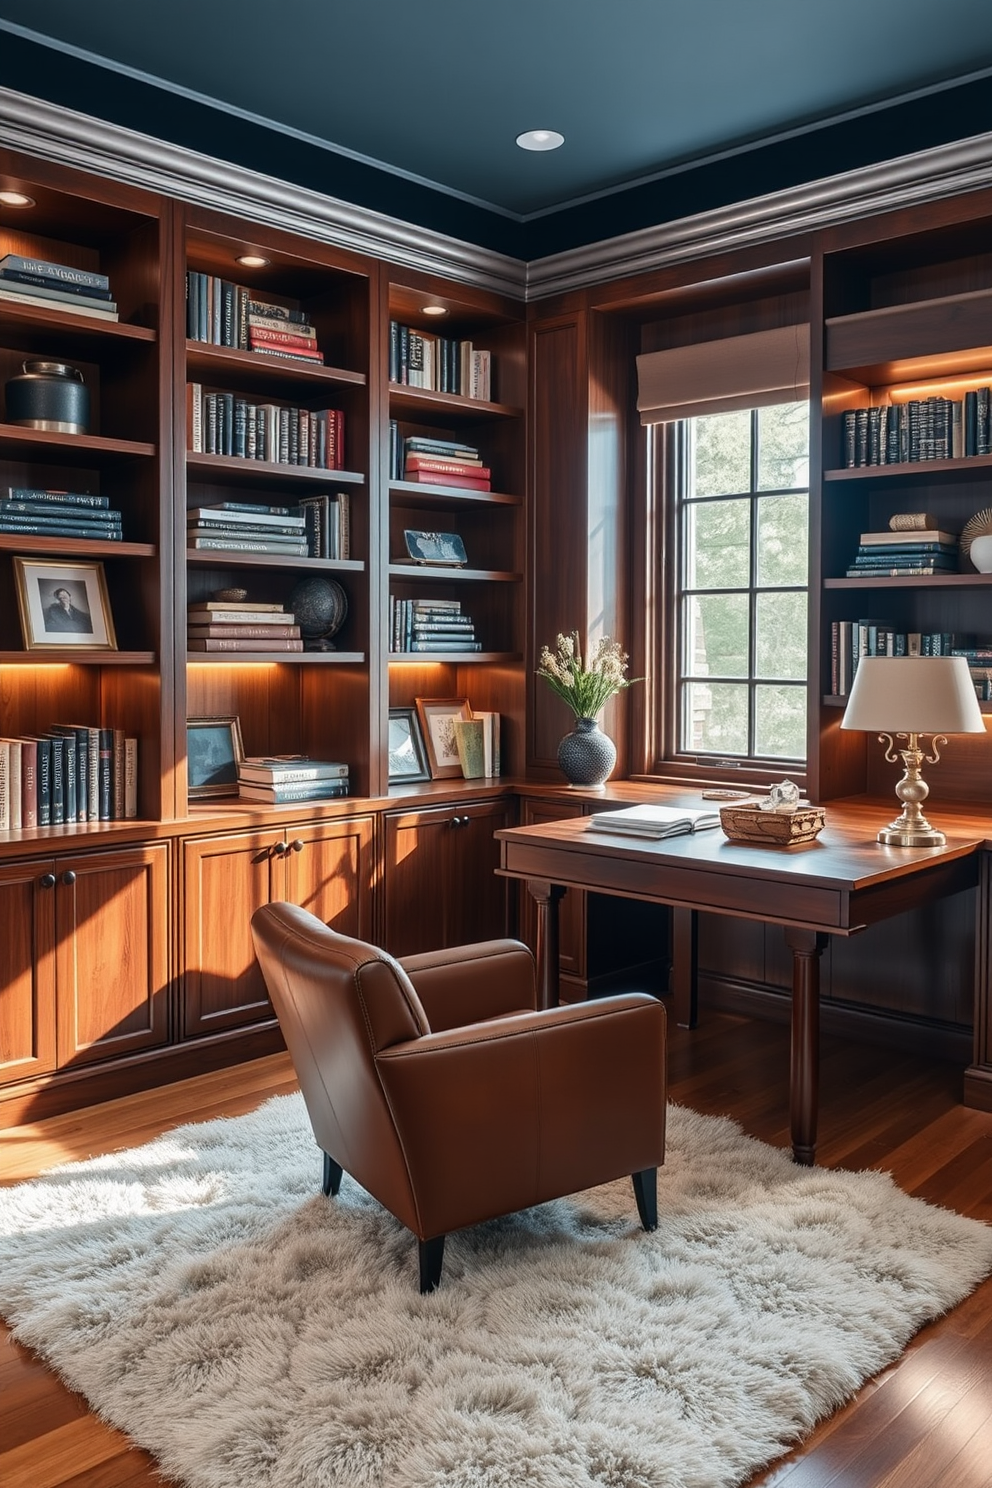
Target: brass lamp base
<point>911,834</point>
<point>911,828</point>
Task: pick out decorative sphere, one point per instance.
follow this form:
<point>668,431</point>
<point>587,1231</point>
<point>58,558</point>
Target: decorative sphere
<point>320,607</point>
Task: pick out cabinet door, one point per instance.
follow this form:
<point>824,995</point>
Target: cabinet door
<point>112,922</point>
<point>225,879</point>
<point>440,883</point>
<point>27,970</point>
<point>327,868</point>
<point>571,911</point>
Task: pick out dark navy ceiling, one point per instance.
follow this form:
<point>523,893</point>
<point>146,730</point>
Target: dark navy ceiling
<point>668,107</point>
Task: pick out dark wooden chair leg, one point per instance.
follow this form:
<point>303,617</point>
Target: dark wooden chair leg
<point>431,1261</point>
<point>332,1175</point>
<point>646,1193</point>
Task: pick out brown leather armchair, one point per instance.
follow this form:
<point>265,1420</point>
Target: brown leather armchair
<point>437,1084</point>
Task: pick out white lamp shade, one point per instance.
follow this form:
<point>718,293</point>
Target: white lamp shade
<point>913,695</point>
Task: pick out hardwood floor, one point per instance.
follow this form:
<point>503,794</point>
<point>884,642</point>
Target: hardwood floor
<point>926,1422</point>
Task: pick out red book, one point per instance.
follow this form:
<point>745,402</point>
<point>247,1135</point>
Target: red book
<point>29,782</point>
<point>447,467</point>
<point>466,482</point>
<point>281,338</point>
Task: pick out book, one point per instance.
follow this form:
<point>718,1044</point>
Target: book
<point>918,534</point>
<point>17,294</point>
<point>288,771</point>
<point>490,741</point>
<point>239,616</point>
<point>105,809</point>
<point>243,632</point>
<point>4,785</point>
<point>29,783</point>
<point>15,783</point>
<point>233,643</point>
<point>130,778</point>
<point>249,545</point>
<point>463,482</point>
<point>448,467</point>
<point>57,498</point>
<point>241,606</point>
<point>654,821</point>
<point>251,518</point>
<point>117,807</point>
<point>283,795</point>
<point>56,272</point>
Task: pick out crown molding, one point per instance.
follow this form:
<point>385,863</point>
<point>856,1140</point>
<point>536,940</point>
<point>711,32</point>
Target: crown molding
<point>928,175</point>
<point>70,138</point>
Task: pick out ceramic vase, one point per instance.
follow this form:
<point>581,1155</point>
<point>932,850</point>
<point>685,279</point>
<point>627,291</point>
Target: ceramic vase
<point>586,755</point>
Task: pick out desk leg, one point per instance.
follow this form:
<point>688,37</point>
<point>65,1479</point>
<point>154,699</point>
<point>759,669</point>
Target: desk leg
<point>807,947</point>
<point>547,897</point>
<point>685,966</point>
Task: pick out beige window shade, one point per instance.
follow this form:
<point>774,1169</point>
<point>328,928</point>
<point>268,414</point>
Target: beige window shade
<point>720,376</point>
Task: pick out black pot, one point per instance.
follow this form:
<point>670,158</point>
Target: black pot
<point>49,395</point>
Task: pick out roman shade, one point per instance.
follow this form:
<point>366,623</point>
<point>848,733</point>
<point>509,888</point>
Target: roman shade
<point>750,371</point>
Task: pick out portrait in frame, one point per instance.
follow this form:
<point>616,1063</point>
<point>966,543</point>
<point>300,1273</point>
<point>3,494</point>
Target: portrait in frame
<point>407,755</point>
<point>437,715</point>
<point>214,754</point>
<point>63,604</point>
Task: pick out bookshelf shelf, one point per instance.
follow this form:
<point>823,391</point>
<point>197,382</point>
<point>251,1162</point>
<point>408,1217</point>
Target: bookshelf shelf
<point>250,370</point>
<point>30,328</point>
<point>914,581</point>
<point>975,467</point>
<point>416,493</point>
<point>77,656</point>
<point>12,542</point>
<point>232,469</point>
<point>276,658</point>
<point>408,400</point>
<point>427,573</point>
<point>68,449</point>
<point>457,658</point>
<point>228,558</point>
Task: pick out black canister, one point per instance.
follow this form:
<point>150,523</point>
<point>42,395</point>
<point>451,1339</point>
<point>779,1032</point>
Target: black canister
<point>49,395</point>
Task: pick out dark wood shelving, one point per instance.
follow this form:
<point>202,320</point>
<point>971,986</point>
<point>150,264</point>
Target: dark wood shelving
<point>77,656</point>
<point>457,658</point>
<point>25,326</point>
<point>217,361</point>
<point>417,493</point>
<point>230,558</point>
<point>914,581</point>
<point>67,449</point>
<point>434,573</point>
<point>278,658</point>
<point>404,399</point>
<point>973,467</point>
<point>234,469</point>
<point>937,337</point>
<point>12,542</point>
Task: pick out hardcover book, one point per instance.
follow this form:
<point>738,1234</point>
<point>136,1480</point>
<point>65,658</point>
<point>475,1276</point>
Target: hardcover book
<point>654,821</point>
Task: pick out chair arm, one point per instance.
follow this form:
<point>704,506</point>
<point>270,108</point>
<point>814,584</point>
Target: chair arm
<point>467,984</point>
<point>494,1117</point>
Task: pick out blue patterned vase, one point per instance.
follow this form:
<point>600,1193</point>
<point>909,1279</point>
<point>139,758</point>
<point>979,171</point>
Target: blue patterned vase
<point>586,756</point>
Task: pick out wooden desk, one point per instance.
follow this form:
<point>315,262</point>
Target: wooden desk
<point>837,885</point>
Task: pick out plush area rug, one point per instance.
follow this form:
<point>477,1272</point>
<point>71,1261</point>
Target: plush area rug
<point>248,1332</point>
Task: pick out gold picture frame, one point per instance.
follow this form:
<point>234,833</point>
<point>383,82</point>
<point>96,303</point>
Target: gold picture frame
<point>63,605</point>
<point>436,717</point>
<point>214,755</point>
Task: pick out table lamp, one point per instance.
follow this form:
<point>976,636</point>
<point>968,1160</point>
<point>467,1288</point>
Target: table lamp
<point>902,697</point>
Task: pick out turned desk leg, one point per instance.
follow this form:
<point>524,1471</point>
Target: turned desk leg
<point>685,966</point>
<point>807,947</point>
<point>547,897</point>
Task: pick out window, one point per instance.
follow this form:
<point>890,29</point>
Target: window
<point>738,587</point>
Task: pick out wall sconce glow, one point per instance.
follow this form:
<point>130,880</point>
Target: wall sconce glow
<point>433,310</point>
<point>253,261</point>
<point>540,139</point>
<point>16,199</point>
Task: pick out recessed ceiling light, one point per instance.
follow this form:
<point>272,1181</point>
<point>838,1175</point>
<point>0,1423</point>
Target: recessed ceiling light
<point>253,260</point>
<point>16,199</point>
<point>540,139</point>
<point>433,310</point>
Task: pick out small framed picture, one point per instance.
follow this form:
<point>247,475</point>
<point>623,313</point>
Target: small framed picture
<point>407,757</point>
<point>63,604</point>
<point>442,549</point>
<point>213,757</point>
<point>437,716</point>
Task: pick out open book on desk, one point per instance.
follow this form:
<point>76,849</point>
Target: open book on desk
<point>654,821</point>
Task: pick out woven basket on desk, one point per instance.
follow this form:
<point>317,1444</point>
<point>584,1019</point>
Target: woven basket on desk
<point>772,828</point>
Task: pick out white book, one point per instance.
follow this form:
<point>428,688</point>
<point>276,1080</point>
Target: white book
<point>490,741</point>
<point>4,785</point>
<point>14,783</point>
<point>654,821</point>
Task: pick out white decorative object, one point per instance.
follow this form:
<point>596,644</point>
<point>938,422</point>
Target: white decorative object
<point>976,540</point>
<point>980,552</point>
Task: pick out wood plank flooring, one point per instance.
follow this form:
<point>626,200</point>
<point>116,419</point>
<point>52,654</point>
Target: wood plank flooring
<point>926,1422</point>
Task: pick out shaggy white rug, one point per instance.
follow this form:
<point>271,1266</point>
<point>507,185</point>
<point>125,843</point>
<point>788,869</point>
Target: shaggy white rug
<point>252,1334</point>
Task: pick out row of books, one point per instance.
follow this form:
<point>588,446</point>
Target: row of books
<point>73,773</point>
<point>221,423</point>
<point>979,659</point>
<point>925,551</point>
<point>436,462</point>
<point>921,429</point>
<point>242,528</point>
<point>852,639</point>
<point>41,512</point>
<point>225,314</point>
<point>224,625</point>
<point>443,364</point>
<point>430,625</point>
<point>55,286</point>
<point>282,779</point>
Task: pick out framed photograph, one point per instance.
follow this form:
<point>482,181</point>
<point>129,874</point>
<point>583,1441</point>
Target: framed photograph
<point>63,604</point>
<point>442,549</point>
<point>407,757</point>
<point>213,757</point>
<point>437,715</point>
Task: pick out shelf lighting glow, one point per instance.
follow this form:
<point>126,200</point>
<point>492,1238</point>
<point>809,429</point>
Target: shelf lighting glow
<point>16,199</point>
<point>433,310</point>
<point>253,261</point>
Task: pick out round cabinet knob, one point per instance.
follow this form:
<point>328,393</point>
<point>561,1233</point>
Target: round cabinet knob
<point>47,880</point>
<point>298,845</point>
<point>279,848</point>
<point>68,877</point>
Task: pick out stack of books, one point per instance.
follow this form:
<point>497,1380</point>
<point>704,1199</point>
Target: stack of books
<point>73,773</point>
<point>923,551</point>
<point>244,527</point>
<point>223,625</point>
<point>430,625</point>
<point>225,314</point>
<point>55,286</point>
<point>220,423</point>
<point>443,364</point>
<point>282,779</point>
<point>654,821</point>
<point>328,524</point>
<point>442,462</point>
<point>40,512</point>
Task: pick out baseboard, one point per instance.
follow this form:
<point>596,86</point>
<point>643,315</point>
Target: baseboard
<point>908,1035</point>
<point>978,1088</point>
<point>68,1090</point>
